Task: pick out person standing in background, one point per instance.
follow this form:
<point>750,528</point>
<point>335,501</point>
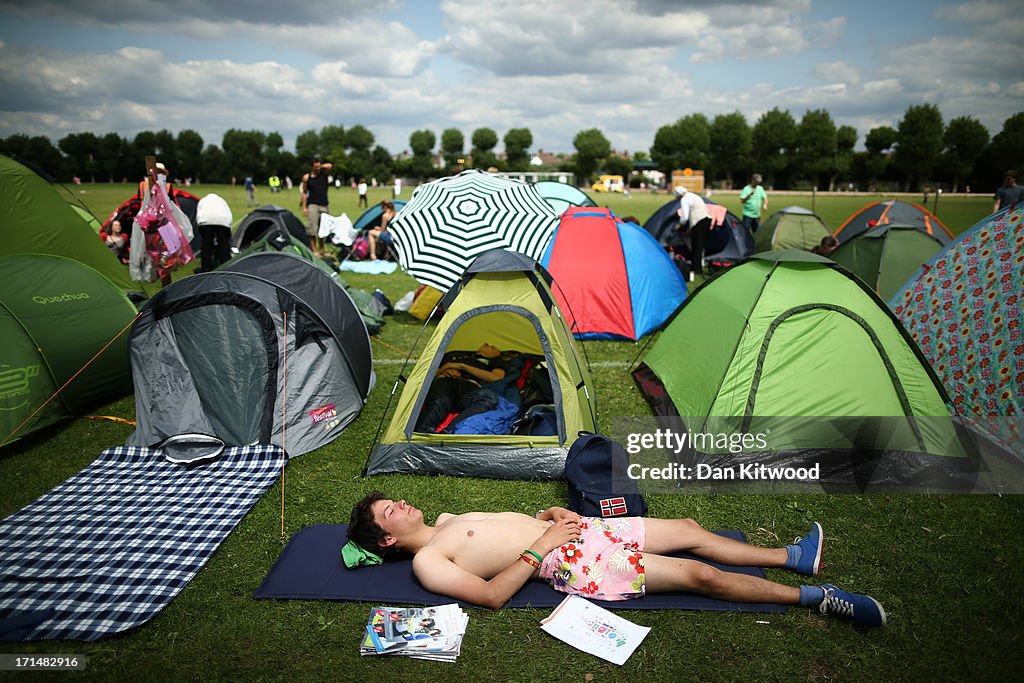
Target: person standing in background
<point>1010,193</point>
<point>314,200</point>
<point>755,202</point>
<point>694,218</point>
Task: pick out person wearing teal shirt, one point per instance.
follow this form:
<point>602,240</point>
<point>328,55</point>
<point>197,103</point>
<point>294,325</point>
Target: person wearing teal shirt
<point>755,202</point>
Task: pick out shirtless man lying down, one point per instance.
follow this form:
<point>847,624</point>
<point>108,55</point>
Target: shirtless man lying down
<point>485,557</point>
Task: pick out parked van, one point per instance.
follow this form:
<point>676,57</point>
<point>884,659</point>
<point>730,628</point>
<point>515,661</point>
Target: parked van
<point>609,183</point>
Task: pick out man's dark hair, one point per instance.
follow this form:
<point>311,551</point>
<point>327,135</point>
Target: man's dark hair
<point>364,530</point>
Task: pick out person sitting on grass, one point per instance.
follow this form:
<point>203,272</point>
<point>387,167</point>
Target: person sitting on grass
<point>485,558</point>
<point>380,233</point>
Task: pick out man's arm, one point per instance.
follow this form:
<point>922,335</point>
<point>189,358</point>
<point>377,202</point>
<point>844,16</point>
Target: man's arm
<point>479,373</point>
<point>439,574</point>
<point>302,191</point>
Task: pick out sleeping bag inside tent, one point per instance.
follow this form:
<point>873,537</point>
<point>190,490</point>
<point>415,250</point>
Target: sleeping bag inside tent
<point>249,360</point>
<point>793,351</point>
<point>612,280</point>
<point>540,404</point>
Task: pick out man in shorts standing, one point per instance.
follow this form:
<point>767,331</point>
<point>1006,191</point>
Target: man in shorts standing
<point>476,557</point>
<point>314,200</point>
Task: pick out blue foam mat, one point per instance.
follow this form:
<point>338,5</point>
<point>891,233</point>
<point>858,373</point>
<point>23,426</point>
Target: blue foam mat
<point>310,568</point>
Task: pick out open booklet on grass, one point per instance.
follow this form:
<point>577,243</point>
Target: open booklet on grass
<point>421,632</point>
<point>594,629</point>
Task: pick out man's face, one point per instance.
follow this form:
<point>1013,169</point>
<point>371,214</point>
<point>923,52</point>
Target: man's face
<point>488,351</point>
<point>316,168</point>
<point>396,517</point>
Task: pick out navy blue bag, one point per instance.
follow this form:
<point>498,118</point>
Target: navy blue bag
<point>596,470</point>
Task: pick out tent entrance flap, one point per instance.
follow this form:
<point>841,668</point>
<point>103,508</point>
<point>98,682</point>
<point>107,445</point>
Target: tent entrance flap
<point>231,353</point>
<point>509,328</point>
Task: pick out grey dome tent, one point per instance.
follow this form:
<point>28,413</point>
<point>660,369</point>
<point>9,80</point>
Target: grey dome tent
<point>280,358</point>
<point>264,219</point>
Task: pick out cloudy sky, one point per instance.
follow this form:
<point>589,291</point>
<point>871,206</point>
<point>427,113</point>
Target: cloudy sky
<point>555,66</point>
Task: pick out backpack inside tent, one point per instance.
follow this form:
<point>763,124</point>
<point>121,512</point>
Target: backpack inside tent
<point>612,280</point>
<point>56,314</point>
<point>887,255</point>
<point>792,347</point>
<point>893,211</point>
<point>791,228</point>
<point>504,300</point>
<point>277,358</point>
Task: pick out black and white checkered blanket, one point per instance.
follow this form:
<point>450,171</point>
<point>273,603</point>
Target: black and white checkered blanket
<point>111,546</point>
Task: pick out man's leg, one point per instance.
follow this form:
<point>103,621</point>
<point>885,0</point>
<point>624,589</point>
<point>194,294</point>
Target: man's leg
<point>672,535</point>
<point>673,574</point>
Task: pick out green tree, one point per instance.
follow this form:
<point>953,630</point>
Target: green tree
<point>877,158</point>
<point>683,144</point>
<point>80,150</point>
<point>215,165</point>
<point>190,153</point>
<point>622,166</point>
<point>333,143</point>
<point>38,151</point>
<point>244,152</point>
<point>452,144</point>
<point>167,152</point>
<point>112,154</point>
<point>730,145</point>
<point>517,147</point>
<point>359,139</point>
<point>965,139</point>
<point>592,148</point>
<point>918,143</point>
<point>274,150</point>
<point>307,147</point>
<point>846,140</point>
<point>422,144</point>
<point>773,139</point>
<point>1007,149</point>
<point>382,163</point>
<point>815,152</point>
<point>484,141</point>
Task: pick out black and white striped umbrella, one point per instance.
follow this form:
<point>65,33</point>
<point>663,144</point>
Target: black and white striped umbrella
<point>450,221</point>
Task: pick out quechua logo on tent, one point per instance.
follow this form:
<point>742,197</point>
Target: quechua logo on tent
<point>60,298</point>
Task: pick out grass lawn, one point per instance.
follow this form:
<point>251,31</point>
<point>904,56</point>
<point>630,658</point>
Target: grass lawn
<point>947,568</point>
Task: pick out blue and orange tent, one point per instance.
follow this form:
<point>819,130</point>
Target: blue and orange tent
<point>612,279</point>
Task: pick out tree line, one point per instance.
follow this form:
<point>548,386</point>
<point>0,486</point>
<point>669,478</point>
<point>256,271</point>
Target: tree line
<point>922,150</point>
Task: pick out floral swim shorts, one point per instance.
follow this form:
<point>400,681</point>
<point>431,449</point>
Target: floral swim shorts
<point>606,563</point>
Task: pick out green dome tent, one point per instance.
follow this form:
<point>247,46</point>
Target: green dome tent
<point>791,347</point>
<point>886,256</point>
<point>791,228</point>
<point>503,299</point>
<point>55,315</point>
<point>36,219</point>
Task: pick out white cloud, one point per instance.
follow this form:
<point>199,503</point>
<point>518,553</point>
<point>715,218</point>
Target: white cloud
<point>843,72</point>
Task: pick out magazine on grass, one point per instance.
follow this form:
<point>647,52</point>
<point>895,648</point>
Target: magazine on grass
<point>422,632</point>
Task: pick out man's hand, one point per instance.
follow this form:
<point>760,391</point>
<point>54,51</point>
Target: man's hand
<point>557,514</point>
<point>557,535</point>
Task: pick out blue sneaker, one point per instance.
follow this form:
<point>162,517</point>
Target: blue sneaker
<point>810,549</point>
<point>862,610</point>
